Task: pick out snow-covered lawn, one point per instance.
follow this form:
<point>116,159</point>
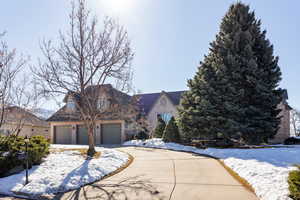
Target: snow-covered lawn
<point>266,169</point>
<point>63,171</point>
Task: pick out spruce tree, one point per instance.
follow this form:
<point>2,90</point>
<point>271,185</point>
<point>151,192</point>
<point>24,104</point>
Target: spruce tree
<point>171,132</point>
<point>234,93</point>
<point>160,127</point>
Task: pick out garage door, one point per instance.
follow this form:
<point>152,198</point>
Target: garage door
<point>111,133</point>
<point>82,135</point>
<point>63,134</point>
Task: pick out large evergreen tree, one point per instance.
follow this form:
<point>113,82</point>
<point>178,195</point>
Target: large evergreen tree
<point>234,92</point>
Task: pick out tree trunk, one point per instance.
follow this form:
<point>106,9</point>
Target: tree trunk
<point>91,151</point>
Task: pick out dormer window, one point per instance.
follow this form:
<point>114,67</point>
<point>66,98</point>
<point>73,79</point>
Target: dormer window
<point>102,103</point>
<point>71,104</point>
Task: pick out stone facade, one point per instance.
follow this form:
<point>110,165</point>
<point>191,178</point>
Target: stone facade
<point>163,105</point>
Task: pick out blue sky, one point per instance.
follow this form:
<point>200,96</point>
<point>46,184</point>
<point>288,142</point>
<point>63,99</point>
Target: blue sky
<point>169,37</point>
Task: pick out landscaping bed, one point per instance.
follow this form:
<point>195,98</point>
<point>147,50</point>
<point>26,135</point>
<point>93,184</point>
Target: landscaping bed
<point>12,146</point>
<point>64,169</point>
<point>265,169</point>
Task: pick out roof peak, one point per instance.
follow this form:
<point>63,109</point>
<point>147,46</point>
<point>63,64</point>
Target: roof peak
<point>163,91</point>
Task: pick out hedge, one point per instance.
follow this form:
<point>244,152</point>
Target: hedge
<point>294,184</point>
<point>11,146</point>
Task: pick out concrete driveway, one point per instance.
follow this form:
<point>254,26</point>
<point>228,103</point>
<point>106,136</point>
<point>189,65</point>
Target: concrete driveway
<point>164,174</point>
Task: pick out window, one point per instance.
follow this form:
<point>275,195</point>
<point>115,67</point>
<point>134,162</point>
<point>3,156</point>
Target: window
<point>102,103</point>
<point>166,116</point>
<point>71,104</point>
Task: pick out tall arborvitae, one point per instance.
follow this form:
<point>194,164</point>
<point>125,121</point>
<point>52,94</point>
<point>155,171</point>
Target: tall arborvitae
<point>234,93</point>
<point>160,127</point>
<point>171,132</point>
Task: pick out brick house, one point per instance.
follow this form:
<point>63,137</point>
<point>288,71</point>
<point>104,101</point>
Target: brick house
<point>118,119</point>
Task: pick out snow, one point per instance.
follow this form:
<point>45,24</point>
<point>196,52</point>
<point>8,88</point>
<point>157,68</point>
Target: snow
<point>266,169</point>
<point>63,171</point>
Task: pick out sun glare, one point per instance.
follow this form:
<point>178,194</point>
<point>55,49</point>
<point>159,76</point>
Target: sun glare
<point>118,6</point>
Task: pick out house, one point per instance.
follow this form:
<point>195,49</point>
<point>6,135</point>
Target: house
<point>162,103</point>
<point>116,114</point>
<point>119,113</point>
<point>284,127</point>
<point>19,121</point>
<point>165,104</point>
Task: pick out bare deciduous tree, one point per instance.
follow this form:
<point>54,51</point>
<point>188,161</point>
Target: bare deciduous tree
<point>85,55</point>
<point>295,121</point>
<point>9,68</point>
<point>13,90</point>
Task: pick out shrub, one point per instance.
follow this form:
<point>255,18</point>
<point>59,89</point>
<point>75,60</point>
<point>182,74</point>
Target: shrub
<point>160,127</point>
<point>142,135</point>
<point>171,132</point>
<point>11,146</point>
<point>294,184</point>
<point>38,147</point>
<point>291,141</point>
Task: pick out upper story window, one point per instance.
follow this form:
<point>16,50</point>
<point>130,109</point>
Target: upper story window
<point>102,104</point>
<point>70,104</point>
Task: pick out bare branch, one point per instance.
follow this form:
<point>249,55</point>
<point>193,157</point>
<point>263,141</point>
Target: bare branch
<point>85,55</point>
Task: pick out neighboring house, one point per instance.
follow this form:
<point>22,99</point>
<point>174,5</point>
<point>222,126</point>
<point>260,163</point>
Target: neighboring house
<point>22,122</point>
<point>284,128</point>
<point>115,118</point>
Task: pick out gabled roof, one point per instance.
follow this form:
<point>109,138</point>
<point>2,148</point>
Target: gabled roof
<point>63,115</point>
<point>147,101</point>
<point>115,97</point>
<point>13,114</point>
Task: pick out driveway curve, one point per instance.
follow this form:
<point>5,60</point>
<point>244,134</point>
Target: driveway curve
<point>165,174</point>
